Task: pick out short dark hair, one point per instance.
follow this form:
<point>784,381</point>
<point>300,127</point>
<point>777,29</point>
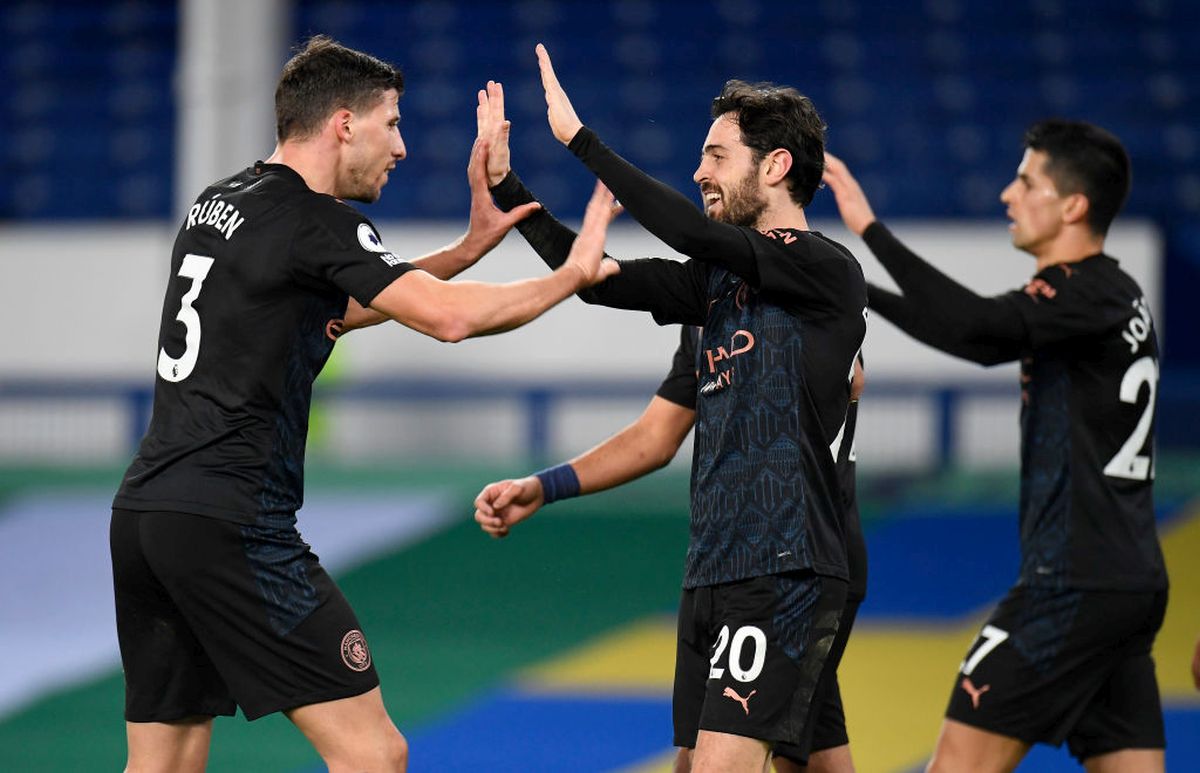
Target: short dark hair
<point>1083,158</point>
<point>772,117</point>
<point>325,76</point>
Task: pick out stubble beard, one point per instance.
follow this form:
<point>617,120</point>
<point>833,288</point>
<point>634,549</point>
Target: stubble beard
<point>742,204</point>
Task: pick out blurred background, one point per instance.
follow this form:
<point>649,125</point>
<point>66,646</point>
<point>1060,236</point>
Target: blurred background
<point>553,650</point>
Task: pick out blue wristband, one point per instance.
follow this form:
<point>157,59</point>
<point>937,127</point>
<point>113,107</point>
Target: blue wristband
<point>559,482</point>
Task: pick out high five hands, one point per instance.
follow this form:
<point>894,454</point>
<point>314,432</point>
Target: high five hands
<point>559,112</point>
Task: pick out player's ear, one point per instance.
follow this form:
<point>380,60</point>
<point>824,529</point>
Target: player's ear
<point>776,166</point>
<point>1075,208</point>
<point>342,122</point>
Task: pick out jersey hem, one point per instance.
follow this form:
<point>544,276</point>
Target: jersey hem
<point>188,508</point>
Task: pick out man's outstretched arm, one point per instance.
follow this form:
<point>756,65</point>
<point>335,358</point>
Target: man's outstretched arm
<point>452,311</point>
<point>660,209</point>
<point>665,288</point>
<point>647,444</point>
<point>487,227</point>
<point>944,311</point>
<point>913,319</point>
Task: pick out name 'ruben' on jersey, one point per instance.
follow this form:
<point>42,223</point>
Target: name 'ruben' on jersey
<point>260,265</point>
<point>1087,430</point>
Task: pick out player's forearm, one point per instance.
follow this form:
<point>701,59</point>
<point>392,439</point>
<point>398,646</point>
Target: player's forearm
<point>912,318</point>
<point>451,260</point>
<point>639,286</point>
<point>548,236</point>
<point>918,280</point>
<point>648,444</point>
<point>479,309</point>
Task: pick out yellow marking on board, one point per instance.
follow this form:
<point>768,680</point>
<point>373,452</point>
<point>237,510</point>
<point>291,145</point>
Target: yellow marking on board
<point>637,659</point>
<point>1176,641</point>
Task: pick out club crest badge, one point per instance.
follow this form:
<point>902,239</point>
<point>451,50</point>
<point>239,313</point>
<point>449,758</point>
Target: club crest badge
<point>355,654</point>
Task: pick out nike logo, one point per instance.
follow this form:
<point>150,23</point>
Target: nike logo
<point>973,691</point>
<point>730,693</point>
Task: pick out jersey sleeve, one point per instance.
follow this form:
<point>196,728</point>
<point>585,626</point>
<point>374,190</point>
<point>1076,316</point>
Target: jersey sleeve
<point>911,317</point>
<point>938,310</point>
<point>804,272</point>
<point>1063,302</point>
<point>338,246</point>
<point>679,386</point>
<point>666,213</point>
<point>671,291</point>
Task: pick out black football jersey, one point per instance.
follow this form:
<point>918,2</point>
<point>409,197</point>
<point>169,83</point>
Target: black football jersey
<point>261,264</point>
<point>680,386</point>
<point>783,313</point>
<point>1089,377</point>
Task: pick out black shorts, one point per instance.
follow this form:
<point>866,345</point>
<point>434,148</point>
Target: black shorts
<point>750,655</point>
<point>1066,665</point>
<point>212,615</point>
<point>827,730</point>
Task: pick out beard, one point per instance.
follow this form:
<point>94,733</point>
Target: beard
<point>742,204</point>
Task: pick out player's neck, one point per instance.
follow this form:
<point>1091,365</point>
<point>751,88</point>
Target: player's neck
<point>308,161</point>
<point>785,216</point>
<point>1070,247</point>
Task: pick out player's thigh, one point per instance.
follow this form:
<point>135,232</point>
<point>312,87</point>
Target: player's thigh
<point>1127,761</point>
<point>274,623</point>
<point>961,748</point>
<point>774,637</point>
<point>353,733</point>
<point>168,673</point>
<point>721,752</point>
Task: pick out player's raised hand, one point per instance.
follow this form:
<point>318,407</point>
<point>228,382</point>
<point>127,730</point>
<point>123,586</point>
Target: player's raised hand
<point>563,121</point>
<point>503,504</point>
<point>851,201</point>
<point>587,253</point>
<point>493,127</point>
<point>488,224</point>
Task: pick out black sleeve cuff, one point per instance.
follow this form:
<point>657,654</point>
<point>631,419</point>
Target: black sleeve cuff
<point>511,193</point>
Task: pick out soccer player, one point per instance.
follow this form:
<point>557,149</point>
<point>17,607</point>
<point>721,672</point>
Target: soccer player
<point>1066,654</point>
<point>219,602</point>
<point>782,309</point>
<point>652,441</point>
<point>648,444</point>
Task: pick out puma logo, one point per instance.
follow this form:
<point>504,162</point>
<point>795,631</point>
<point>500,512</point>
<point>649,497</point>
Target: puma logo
<point>730,693</point>
<point>973,691</point>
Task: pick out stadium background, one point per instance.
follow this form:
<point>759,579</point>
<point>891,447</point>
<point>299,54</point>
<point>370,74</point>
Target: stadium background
<point>552,650</point>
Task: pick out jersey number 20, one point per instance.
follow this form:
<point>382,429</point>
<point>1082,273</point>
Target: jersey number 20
<point>755,635</point>
<point>195,268</point>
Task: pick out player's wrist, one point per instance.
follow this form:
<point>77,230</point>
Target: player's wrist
<point>558,482</point>
<point>582,278</point>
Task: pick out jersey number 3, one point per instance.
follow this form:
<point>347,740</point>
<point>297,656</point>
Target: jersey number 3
<point>1129,463</point>
<point>195,268</point>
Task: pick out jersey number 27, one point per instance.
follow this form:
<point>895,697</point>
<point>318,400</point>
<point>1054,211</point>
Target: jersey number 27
<point>1129,462</point>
